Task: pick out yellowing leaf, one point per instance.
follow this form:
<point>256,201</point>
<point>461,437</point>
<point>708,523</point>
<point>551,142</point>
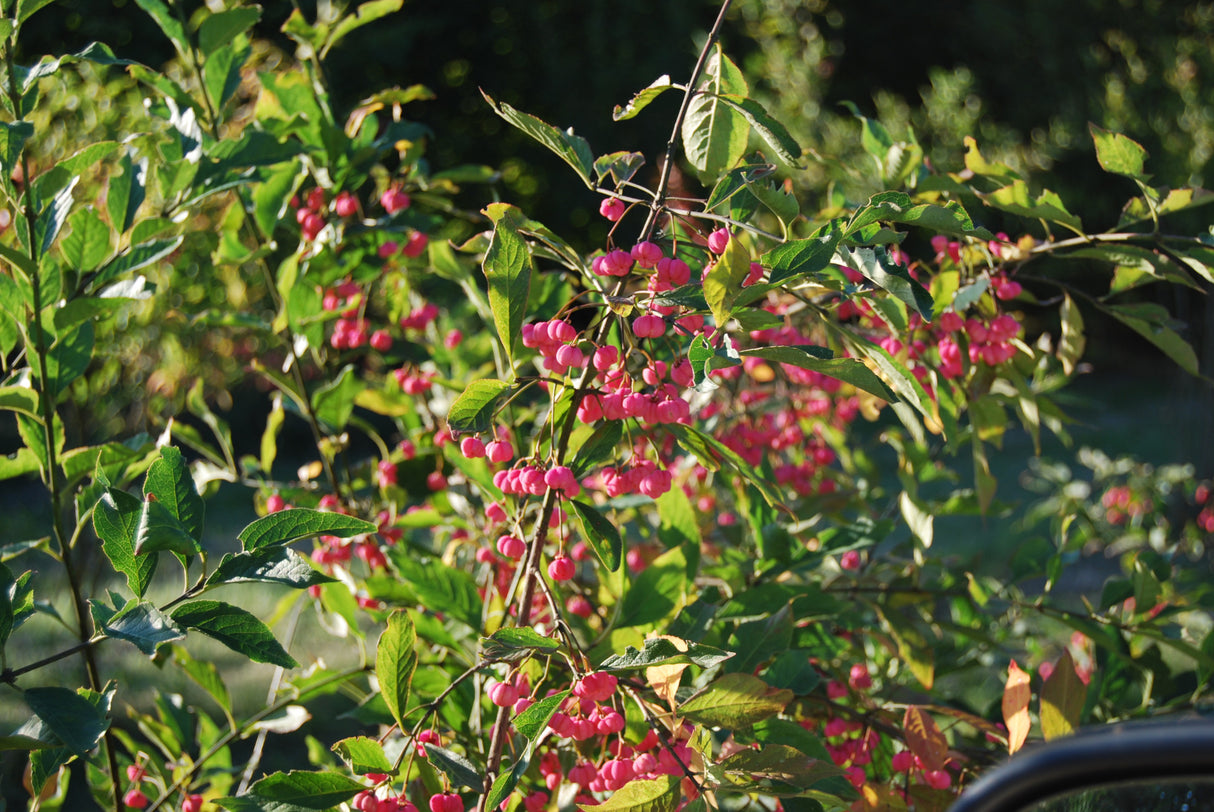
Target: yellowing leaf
<point>1062,699</point>
<point>924,738</point>
<point>1016,696</point>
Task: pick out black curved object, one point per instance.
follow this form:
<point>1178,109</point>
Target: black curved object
<point>1115,754</point>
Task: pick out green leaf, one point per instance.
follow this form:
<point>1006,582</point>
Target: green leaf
<point>437,584</point>
<point>13,135</point>
<point>712,452</point>
<point>821,359</point>
<point>293,524</point>
<point>1071,344</point>
<point>295,791</point>
<point>677,524</point>
<point>598,448</point>
<point>334,402</point>
<point>508,269</point>
<point>714,133</point>
<point>760,640</point>
<point>270,564</point>
<point>365,14</point>
<point>1153,322</point>
<point>116,521</point>
<point>773,133</point>
<point>221,72</point>
<point>159,531</point>
<point>141,623</point>
<point>168,23</point>
<point>474,409</point>
<point>1119,154</point>
<point>531,722</point>
<point>26,8</point>
<point>134,258</point>
<point>206,674</point>
<point>219,29</point>
<point>803,257</point>
<point>459,771</point>
<point>52,218</point>
<point>1047,206</point>
<point>1062,698</point>
<point>879,269</point>
<point>913,647</point>
<point>395,661</point>
<point>505,783</point>
<point>656,592</point>
<point>169,481</point>
<point>622,166</point>
<point>918,518</point>
<point>603,536</point>
<point>653,795</point>
<point>573,149</point>
<point>126,191</point>
<point>642,99</point>
<point>775,769</point>
<point>735,701</point>
<point>363,755</point>
<point>76,721</point>
<point>88,242</point>
<point>663,651</point>
<point>515,643</point>
<point>236,628</point>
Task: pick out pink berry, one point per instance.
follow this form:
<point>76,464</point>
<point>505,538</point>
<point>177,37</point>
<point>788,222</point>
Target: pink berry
<point>717,240</point>
<point>850,560</point>
<point>192,804</point>
<point>612,208</point>
<point>499,451</point>
<point>135,772</point>
<point>346,205</point>
<point>135,798</point>
<point>472,448</point>
<point>511,547</point>
<point>502,694</point>
<point>381,340</point>
<point>561,568</point>
<point>394,200</point>
<point>453,339</point>
<point>388,249</point>
<point>436,481</point>
<point>938,779</point>
<point>578,605</point>
<point>415,246</point>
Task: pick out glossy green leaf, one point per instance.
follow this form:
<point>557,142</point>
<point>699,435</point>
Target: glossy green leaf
<point>600,447</point>
<point>334,402</point>
<point>364,14</point>
<point>222,71</point>
<point>663,651</point>
<point>437,584</point>
<point>293,524</point>
<point>127,191</point>
<point>133,259</point>
<point>505,783</point>
<point>88,241</point>
<point>236,628</point>
<point>474,409</point>
<point>760,640</point>
<point>571,148</point>
<point>141,623</point>
<point>270,564</point>
<point>712,452</point>
<point>603,536</point>
<point>160,531</point>
<point>1047,206</point>
<point>395,662</point>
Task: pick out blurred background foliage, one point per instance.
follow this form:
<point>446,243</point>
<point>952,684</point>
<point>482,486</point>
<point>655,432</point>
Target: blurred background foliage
<point>1024,77</point>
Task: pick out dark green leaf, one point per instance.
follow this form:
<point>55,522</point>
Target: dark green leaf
<point>603,536</point>
<point>270,564</point>
<point>656,591</point>
<point>1152,322</point>
<point>573,149</point>
<point>76,721</point>
<point>803,257</point>
<point>598,448</point>
<point>294,524</point>
<point>711,451</point>
<point>334,402</point>
<point>505,783</point>
<point>775,769</point>
<point>295,791</point>
<point>217,30</point>
<point>663,651</point>
<point>622,166</point>
<point>773,133</point>
<point>222,71</point>
<point>459,771</point>
<point>87,244</point>
<point>126,191</point>
<point>395,662</point>
<point>159,531</point>
<point>758,641</point>
<point>821,359</point>
<point>169,481</point>
<point>365,14</point>
<point>236,628</point>
<point>437,584</point>
<point>878,268</point>
<point>134,258</point>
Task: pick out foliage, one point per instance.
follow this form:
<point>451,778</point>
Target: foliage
<point>647,528</point>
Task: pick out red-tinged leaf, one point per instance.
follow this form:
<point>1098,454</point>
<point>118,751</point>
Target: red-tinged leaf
<point>1062,699</point>
<point>1016,696</point>
<point>924,738</point>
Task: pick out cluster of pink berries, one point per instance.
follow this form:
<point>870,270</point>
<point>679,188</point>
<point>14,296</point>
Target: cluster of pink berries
<point>136,798</point>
